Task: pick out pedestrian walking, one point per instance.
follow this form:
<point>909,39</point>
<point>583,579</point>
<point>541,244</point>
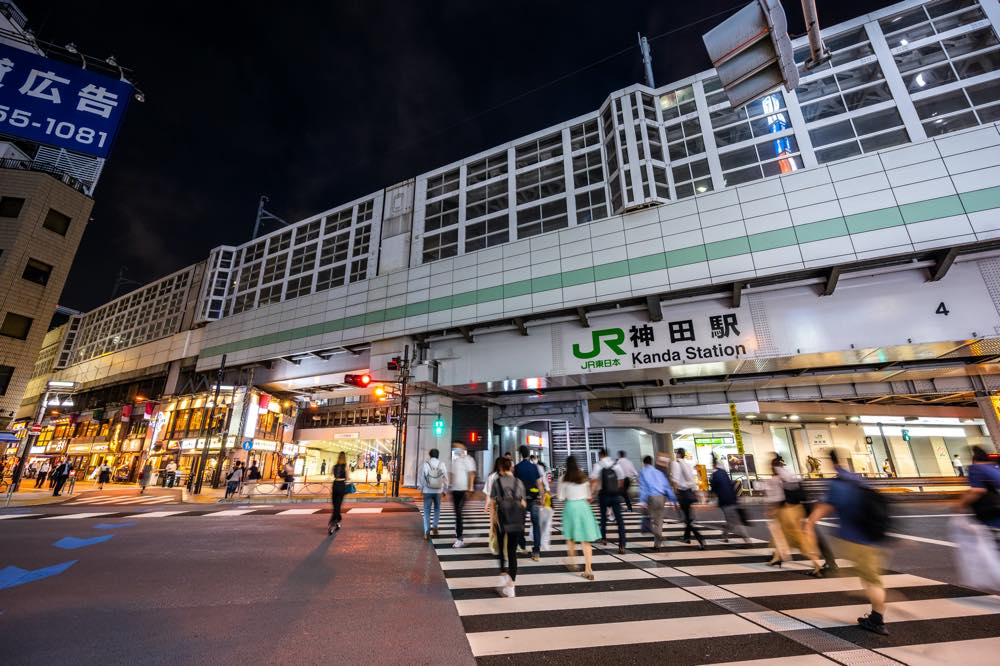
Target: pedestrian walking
<point>463,475</point>
<point>529,475</point>
<point>253,474</point>
<point>578,525</point>
<point>609,480</point>
<point>61,472</point>
<point>978,536</point>
<point>43,473</point>
<point>171,474</point>
<point>887,469</point>
<point>631,477</point>
<point>103,475</point>
<point>722,486</point>
<point>322,468</point>
<point>956,462</point>
<point>433,481</point>
<point>787,497</point>
<point>379,468</point>
<point>145,477</point>
<point>863,517</point>
<point>338,491</point>
<point>288,474</point>
<point>654,493</point>
<point>510,501</point>
<point>492,540</point>
<point>685,485</point>
<point>233,479</point>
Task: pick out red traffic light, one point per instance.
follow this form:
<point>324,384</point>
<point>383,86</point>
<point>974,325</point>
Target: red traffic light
<point>473,437</point>
<point>358,380</point>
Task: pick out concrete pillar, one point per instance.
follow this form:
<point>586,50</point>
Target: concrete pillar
<point>992,417</point>
<point>420,437</point>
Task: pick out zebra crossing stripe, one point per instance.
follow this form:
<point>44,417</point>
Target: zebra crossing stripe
<point>974,652</point>
<point>555,602</point>
<point>78,516</point>
<point>818,585</point>
<point>900,611</point>
<point>156,514</point>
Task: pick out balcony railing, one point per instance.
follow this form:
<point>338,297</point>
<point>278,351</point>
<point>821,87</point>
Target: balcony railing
<point>31,165</point>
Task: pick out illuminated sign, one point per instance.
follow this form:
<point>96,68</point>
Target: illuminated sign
<point>534,440</point>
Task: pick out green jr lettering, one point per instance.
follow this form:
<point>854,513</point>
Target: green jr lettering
<point>613,338</point>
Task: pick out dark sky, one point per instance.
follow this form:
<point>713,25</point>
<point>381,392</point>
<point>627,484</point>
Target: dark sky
<point>315,104</point>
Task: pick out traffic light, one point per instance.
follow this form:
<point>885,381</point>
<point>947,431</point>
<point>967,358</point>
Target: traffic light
<point>394,363</point>
<point>473,437</point>
<point>358,380</point>
<point>439,427</point>
<point>380,392</point>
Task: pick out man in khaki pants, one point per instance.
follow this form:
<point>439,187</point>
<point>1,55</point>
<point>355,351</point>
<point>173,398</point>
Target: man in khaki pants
<point>654,491</point>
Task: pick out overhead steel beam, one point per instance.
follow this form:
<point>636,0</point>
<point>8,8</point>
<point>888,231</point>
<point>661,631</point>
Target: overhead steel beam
<point>944,263</point>
<point>581,313</point>
<point>831,281</point>
<point>737,294</point>
<point>521,328</point>
<point>655,308</point>
<point>466,332</point>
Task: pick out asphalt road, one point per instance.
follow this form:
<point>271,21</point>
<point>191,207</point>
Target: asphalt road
<point>268,586</point>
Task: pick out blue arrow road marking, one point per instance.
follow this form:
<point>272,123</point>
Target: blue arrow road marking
<point>14,576</point>
<point>71,543</point>
<point>113,526</point>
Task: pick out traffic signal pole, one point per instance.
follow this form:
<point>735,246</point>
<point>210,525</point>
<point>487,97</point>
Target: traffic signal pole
<point>203,460</point>
<point>397,449</point>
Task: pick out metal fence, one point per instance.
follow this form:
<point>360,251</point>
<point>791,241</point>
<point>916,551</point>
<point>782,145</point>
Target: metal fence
<point>306,489</point>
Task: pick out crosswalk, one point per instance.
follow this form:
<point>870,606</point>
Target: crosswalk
<point>138,500</point>
<point>723,604</point>
<point>196,513</point>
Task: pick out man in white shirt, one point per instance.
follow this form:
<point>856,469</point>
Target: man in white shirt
<point>628,469</point>
<point>463,475</point>
<point>686,484</point>
<point>171,474</point>
<point>609,480</point>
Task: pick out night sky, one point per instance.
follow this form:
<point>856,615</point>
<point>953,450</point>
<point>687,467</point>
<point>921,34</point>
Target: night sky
<point>316,104</point>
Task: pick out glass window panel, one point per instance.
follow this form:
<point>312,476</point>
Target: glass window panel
<point>920,57</point>
<point>983,93</point>
<point>884,140</point>
<point>879,120</point>
<point>838,152</point>
<point>929,78</point>
<point>950,124</point>
<point>906,37</point>
<point>968,42</point>
<point>815,89</point>
<point>964,18</point>
<point>940,105</point>
<point>843,56</point>
<point>975,65</point>
<point>989,114</point>
<point>699,168</point>
<point>862,97</point>
<point>743,175</point>
<point>738,158</point>
<point>943,7</point>
<point>685,190</point>
<point>860,76</point>
<point>784,165</point>
<point>831,106</point>
<point>841,131</point>
<point>734,134</point>
<point>903,20</point>
<point>727,116</point>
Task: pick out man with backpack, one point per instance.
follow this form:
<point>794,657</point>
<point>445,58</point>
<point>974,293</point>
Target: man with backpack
<point>609,480</point>
<point>864,520</point>
<point>530,476</point>
<point>433,480</point>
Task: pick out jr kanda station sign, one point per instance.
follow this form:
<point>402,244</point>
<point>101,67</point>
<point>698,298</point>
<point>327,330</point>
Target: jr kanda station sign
<point>58,104</point>
<point>630,340</point>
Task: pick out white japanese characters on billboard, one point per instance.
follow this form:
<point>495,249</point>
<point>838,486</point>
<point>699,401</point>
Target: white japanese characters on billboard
<point>686,335</point>
<point>59,104</point>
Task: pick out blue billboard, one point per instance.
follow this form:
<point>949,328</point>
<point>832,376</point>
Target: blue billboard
<point>54,103</point>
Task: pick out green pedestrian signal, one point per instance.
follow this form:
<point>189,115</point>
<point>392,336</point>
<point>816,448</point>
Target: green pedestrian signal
<point>906,435</point>
<point>439,427</point>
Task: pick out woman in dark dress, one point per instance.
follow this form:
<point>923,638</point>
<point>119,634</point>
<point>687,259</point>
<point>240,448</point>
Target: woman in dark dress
<point>339,490</point>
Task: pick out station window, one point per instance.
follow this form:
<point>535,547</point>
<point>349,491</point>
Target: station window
<point>677,103</point>
<point>691,178</point>
<point>767,158</point>
<point>440,246</point>
<point>362,240</point>
<point>487,233</point>
<point>339,221</point>
<point>254,252</point>
<point>271,294</point>
<point>331,277</point>
<point>538,150</point>
<point>536,220</point>
<point>540,183</point>
<point>37,272</point>
<point>335,249</point>
<point>486,169</point>
<point>280,242</point>
<point>6,374</point>
<point>359,269</point>
<point>584,135</point>
<point>57,222</point>
<point>487,199</point>
<point>440,214</point>
<point>961,108</point>
<point>307,232</point>
<point>303,260</point>
<point>844,48</point>
<point>588,170</point>
<point>442,184</point>
<point>300,286</point>
<point>366,210</point>
<point>591,205</point>
<point>274,268</point>
<point>10,206</point>
<point>861,133</point>
<point>16,326</point>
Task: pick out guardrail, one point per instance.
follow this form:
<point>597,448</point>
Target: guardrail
<point>306,489</point>
<point>900,488</point>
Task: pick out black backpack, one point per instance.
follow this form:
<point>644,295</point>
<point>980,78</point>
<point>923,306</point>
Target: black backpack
<point>987,507</point>
<point>510,513</point>
<point>609,481</point>
<point>873,520</point>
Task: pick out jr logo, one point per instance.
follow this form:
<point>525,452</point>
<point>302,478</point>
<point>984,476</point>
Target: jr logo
<point>613,338</point>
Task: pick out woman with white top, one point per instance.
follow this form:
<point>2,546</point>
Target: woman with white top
<point>578,524</point>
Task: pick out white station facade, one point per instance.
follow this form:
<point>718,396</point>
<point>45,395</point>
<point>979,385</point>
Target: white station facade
<point>823,262</point>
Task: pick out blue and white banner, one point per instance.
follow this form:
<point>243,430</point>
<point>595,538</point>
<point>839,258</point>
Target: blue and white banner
<point>54,103</point>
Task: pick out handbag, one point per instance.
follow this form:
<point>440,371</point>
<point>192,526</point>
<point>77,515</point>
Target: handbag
<point>350,488</point>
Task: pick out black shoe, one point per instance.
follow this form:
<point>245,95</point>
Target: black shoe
<point>338,527</point>
<point>329,529</point>
<point>621,550</point>
<point>775,563</point>
<point>874,626</point>
<point>701,544</point>
<point>817,573</point>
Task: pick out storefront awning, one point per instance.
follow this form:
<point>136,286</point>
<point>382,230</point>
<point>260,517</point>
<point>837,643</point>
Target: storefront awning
<point>8,437</point>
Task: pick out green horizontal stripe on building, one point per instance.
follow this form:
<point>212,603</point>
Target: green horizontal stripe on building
<point>884,218</point>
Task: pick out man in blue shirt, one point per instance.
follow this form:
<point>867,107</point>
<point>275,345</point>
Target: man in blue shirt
<point>527,472</point>
<point>722,487</point>
<point>844,498</point>
<point>984,480</point>
<point>654,491</point>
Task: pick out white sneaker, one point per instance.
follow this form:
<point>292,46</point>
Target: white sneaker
<point>508,591</point>
<point>458,544</point>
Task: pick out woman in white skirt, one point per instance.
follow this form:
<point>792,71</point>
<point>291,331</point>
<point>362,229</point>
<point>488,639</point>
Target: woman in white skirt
<point>578,524</point>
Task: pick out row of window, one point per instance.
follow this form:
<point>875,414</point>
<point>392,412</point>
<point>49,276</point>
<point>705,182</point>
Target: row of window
<point>10,207</point>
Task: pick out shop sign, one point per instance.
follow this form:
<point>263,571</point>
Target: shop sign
<point>737,435</point>
<point>684,336</point>
<point>533,440</point>
<point>100,448</point>
<point>55,447</point>
<point>11,451</point>
<point>187,445</point>
<point>289,449</point>
<point>133,445</point>
<point>346,435</point>
<point>259,445</point>
<point>37,450</point>
<point>171,446</point>
<point>79,448</point>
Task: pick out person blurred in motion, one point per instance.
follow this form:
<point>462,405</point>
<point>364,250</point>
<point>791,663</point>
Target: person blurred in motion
<point>103,475</point>
<point>983,495</point>
<point>338,490</point>
<point>233,479</point>
<point>578,524</point>
<point>608,478</point>
<point>686,485</point>
<point>145,477</point>
<point>654,492</point>
<point>628,469</point>
<point>62,473</point>
<point>508,496</point>
<point>722,487</point>
<point>528,474</point>
<point>863,515</point>
<point>433,481</point>
<point>463,474</point>
<point>787,497</point>
<point>43,473</point>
